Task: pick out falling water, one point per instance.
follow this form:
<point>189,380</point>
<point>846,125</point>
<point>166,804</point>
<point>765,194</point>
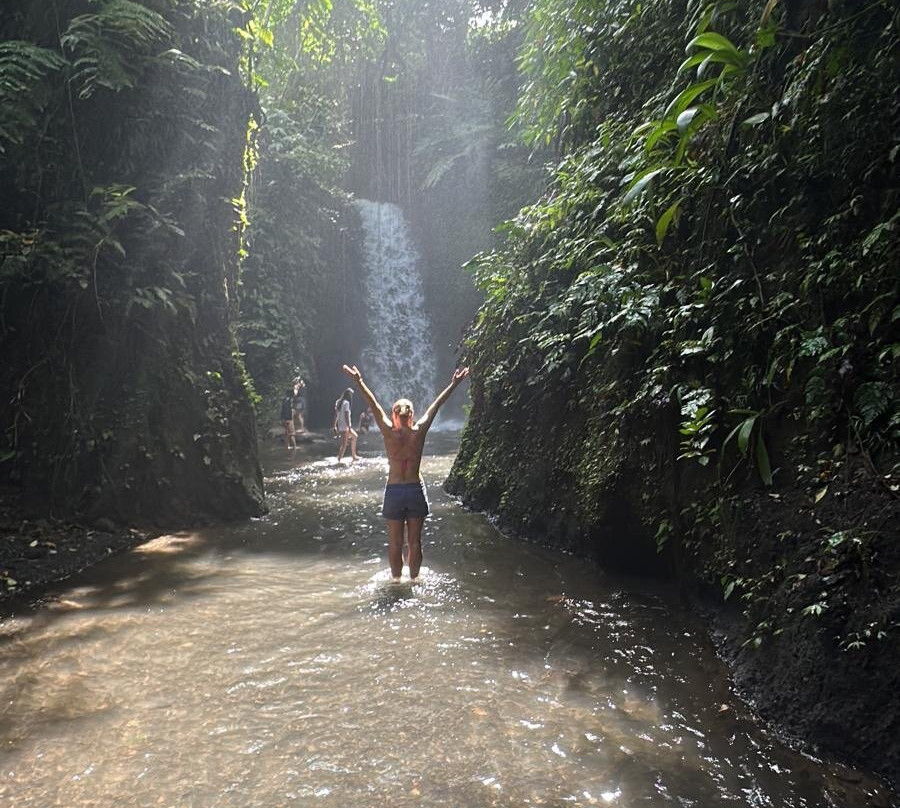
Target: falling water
<point>399,360</point>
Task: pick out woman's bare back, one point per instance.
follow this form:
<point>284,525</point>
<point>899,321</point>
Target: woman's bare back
<point>404,446</point>
<point>404,439</point>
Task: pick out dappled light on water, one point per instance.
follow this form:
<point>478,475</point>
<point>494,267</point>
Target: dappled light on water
<point>275,663</point>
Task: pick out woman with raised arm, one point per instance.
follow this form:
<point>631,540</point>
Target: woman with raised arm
<point>405,498</point>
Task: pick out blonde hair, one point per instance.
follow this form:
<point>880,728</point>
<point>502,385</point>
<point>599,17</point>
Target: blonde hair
<point>402,408</point>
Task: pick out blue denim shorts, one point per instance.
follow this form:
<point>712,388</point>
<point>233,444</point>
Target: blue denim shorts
<point>405,500</point>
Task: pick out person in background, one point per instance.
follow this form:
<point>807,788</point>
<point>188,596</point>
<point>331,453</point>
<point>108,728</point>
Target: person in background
<point>298,403</point>
<point>405,503</point>
<point>343,425</point>
<point>366,419</point>
<point>287,419</point>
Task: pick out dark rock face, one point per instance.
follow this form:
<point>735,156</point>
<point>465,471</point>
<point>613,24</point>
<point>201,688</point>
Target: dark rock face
<point>601,489</point>
<point>808,686</point>
<point>826,677</point>
<point>123,393</point>
<point>583,484</point>
<point>717,400</point>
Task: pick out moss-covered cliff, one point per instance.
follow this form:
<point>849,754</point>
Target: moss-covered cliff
<point>122,140</point>
<point>686,361</point>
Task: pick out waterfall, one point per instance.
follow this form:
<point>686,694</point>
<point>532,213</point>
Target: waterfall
<point>398,361</point>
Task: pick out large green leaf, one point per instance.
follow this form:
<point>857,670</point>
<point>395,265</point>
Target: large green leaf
<point>743,435</point>
<point>762,460</point>
<point>686,97</point>
<point>662,224</point>
<point>710,40</point>
<point>640,183</point>
<point>660,131</point>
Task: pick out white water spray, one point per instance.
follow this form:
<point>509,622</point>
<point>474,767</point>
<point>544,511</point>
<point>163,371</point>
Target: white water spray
<point>399,358</point>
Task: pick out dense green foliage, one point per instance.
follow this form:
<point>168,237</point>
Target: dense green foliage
<point>687,357</point>
<point>178,171</point>
<point>290,287</point>
<point>403,102</point>
<point>710,280</point>
<point>122,130</point>
<point>290,296</point>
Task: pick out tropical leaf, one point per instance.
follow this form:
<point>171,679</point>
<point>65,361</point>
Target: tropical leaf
<point>662,224</point>
<point>639,184</point>
<point>743,435</point>
<point>709,40</point>
<point>755,120</point>
<point>762,460</point>
<point>685,118</point>
<point>686,97</point>
<point>440,169</point>
<point>767,11</point>
<point>871,401</point>
<point>661,130</point>
<point>703,59</point>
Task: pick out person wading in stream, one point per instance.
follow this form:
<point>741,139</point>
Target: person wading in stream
<point>343,425</point>
<point>405,498</point>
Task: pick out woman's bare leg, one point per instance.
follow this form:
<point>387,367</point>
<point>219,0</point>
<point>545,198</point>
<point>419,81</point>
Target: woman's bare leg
<point>345,439</point>
<point>414,539</point>
<point>395,546</point>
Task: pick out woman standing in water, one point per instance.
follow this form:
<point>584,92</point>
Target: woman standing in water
<point>343,425</point>
<point>405,498</point>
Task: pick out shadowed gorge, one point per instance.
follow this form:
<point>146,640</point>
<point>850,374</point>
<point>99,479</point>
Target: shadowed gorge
<point>656,241</point>
<point>123,136</point>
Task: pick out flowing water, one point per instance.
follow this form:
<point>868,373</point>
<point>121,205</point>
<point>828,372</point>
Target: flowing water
<point>399,360</point>
<point>272,663</point>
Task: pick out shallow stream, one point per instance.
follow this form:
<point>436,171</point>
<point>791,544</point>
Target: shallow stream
<point>273,663</point>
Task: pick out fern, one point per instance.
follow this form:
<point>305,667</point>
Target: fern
<point>871,401</point>
<point>24,69</point>
<point>104,45</point>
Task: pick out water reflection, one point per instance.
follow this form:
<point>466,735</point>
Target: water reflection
<point>274,663</point>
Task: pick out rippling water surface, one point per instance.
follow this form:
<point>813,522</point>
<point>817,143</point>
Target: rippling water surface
<point>273,664</point>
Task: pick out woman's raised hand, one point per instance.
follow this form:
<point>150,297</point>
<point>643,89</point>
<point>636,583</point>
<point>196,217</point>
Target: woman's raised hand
<point>352,372</point>
<point>459,374</point>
